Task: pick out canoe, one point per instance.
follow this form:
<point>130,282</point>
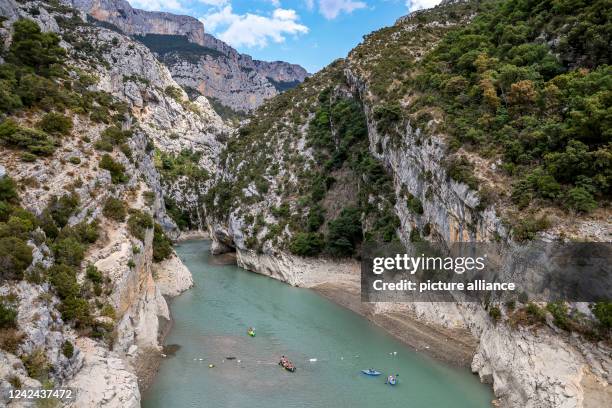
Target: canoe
<point>287,366</point>
<point>373,373</point>
<point>251,333</point>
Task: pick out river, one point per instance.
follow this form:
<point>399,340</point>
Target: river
<point>210,323</point>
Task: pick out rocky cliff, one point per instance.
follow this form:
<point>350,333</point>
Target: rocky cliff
<point>83,129</point>
<point>377,147</point>
<point>140,22</point>
<point>198,61</point>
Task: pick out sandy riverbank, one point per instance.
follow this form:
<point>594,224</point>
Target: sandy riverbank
<point>453,346</point>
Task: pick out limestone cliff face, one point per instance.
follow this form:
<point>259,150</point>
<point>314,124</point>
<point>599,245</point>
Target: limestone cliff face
<point>105,374</point>
<point>215,70</point>
<point>224,78</point>
<point>134,21</point>
<point>235,80</point>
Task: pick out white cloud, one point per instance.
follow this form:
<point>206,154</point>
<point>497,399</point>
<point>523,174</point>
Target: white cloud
<point>421,4</point>
<point>216,3</point>
<point>175,5</point>
<point>309,4</point>
<point>155,5</point>
<point>252,30</point>
<point>332,8</point>
<point>223,17</point>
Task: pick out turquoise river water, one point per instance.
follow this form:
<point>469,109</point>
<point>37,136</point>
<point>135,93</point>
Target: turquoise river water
<point>210,323</point>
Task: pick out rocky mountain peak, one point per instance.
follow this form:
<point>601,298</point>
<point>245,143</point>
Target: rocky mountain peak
<point>199,62</point>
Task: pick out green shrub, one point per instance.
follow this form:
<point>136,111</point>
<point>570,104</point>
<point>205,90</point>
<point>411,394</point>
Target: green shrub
<point>262,185</point>
<point>108,311</point>
<point>345,232</point>
<point>603,313</point>
<point>5,210</point>
<point>69,251</point>
<point>34,141</point>
<point>495,313</point>
<point>8,317</point>
<point>536,183</point>
<point>149,198</point>
<point>174,92</point>
<point>15,257</point>
<point>387,116</point>
<point>112,136</point>
<point>536,312</point>
<point>62,208</point>
<point>178,215</point>
<point>83,232</point>
<point>116,169</point>
<point>462,170</point>
<point>103,145</point>
<point>19,225</point>
<point>316,218</point>
<point>76,309</point>
<point>73,307</point>
<point>307,244</point>
<point>8,191</point>
<point>36,364</point>
<point>93,274</point>
<point>126,150</point>
<point>414,204</point>
<point>115,209</point>
<point>9,101</point>
<point>526,228</point>
<point>138,223</point>
<point>162,245</point>
<point>559,313</point>
<point>28,157</point>
<point>580,200</point>
<point>68,349</point>
<point>33,48</point>
<point>74,160</point>
<point>55,123</point>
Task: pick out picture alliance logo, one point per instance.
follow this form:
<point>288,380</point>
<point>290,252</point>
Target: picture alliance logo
<point>410,264</point>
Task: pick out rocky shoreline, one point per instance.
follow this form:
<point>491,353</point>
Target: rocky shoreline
<point>172,278</point>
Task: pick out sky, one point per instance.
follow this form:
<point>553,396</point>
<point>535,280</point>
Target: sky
<point>311,33</point>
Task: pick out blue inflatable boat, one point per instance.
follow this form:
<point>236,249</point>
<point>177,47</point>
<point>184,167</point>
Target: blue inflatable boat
<point>371,372</point>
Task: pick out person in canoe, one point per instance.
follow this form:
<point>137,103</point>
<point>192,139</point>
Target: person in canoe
<point>286,364</point>
<point>392,379</point>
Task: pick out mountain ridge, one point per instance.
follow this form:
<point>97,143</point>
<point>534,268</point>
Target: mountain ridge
<point>235,79</point>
